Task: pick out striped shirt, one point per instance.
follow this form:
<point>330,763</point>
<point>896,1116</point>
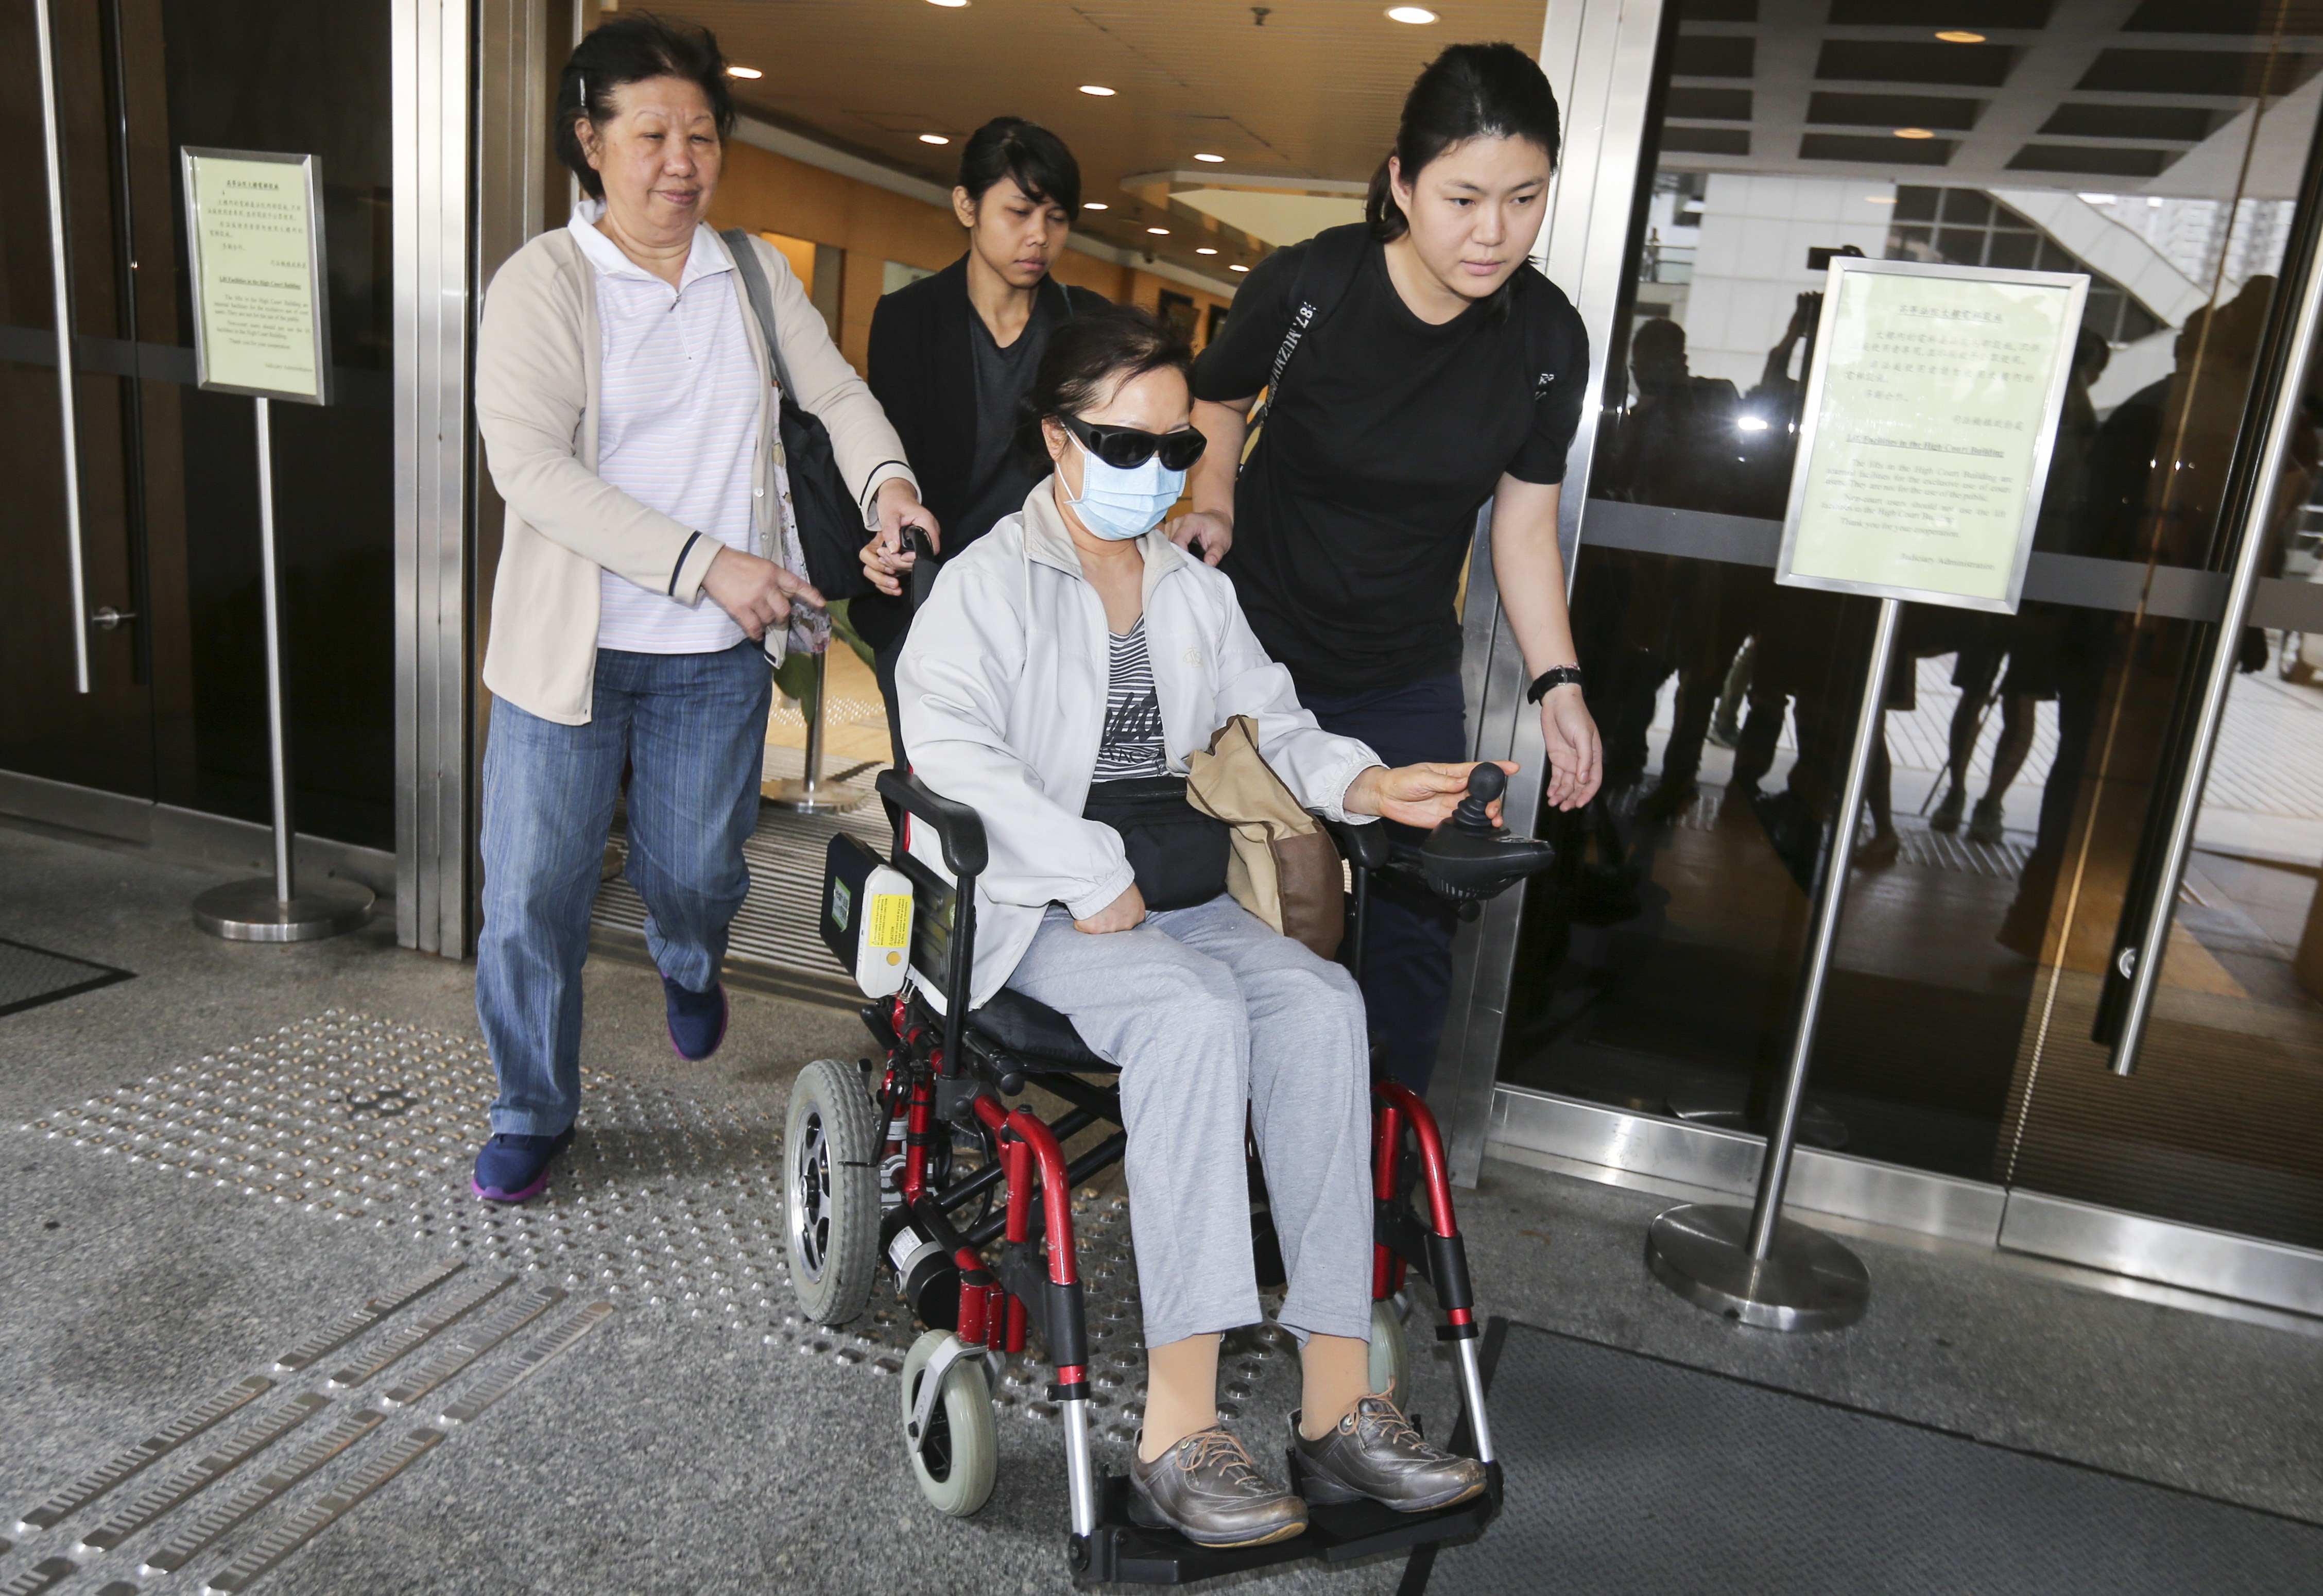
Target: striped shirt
<point>677,424</point>
<point>1131,745</point>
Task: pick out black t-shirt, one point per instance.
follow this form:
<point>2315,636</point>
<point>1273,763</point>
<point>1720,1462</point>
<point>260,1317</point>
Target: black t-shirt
<point>1002,473</point>
<point>1354,515</point>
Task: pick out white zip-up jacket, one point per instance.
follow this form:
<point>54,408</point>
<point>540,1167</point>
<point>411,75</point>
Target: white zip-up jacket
<point>1002,688</point>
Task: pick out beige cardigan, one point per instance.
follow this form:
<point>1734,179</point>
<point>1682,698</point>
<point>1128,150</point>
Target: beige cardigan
<point>538,354</point>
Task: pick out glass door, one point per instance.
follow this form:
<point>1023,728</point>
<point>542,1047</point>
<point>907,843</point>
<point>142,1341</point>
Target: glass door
<point>2161,149</point>
<point>167,474</point>
<point>102,738</point>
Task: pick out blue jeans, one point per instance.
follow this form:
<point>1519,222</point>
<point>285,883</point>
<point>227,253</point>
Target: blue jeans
<point>692,728</point>
<point>1408,944</point>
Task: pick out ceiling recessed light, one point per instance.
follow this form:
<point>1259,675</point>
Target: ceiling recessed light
<point>1099,90</point>
<point>1095,204</point>
<point>933,139</point>
<point>1198,155</point>
<point>949,4</point>
<point>1238,268</point>
<point>2097,198</point>
<point>1204,249</point>
<point>1879,199</point>
<point>1414,14</point>
<point>1960,36</point>
<point>1914,133</point>
<point>1159,232</point>
<point>744,72</point>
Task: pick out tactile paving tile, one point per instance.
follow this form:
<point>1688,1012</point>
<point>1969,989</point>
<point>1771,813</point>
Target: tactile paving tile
<point>662,1203</point>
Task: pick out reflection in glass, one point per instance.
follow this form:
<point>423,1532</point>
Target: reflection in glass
<point>2013,789</point>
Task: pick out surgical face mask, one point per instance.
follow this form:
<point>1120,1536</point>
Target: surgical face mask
<point>1121,504</point>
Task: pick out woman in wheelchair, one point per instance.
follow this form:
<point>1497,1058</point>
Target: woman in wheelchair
<point>1072,647</point>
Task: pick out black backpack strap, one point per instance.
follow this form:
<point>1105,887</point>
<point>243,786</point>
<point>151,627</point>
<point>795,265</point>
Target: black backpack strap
<point>1333,257</point>
<point>762,300</point>
<point>1540,352</point>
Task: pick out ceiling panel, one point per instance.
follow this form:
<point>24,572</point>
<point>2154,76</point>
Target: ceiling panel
<point>1295,89</point>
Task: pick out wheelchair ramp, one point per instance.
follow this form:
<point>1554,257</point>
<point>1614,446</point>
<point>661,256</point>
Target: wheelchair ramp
<point>1627,1473</point>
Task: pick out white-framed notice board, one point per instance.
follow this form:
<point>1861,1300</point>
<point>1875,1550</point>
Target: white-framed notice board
<point>1924,441</point>
<point>255,238</point>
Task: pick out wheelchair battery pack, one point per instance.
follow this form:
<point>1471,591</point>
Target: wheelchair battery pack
<point>866,916</point>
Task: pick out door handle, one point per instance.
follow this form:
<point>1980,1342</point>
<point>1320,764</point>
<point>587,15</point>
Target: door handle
<point>104,618</point>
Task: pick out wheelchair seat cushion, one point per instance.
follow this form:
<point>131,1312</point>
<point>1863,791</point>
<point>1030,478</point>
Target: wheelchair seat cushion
<point>1035,1033</point>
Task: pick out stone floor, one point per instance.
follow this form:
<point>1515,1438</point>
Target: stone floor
<point>207,1162</point>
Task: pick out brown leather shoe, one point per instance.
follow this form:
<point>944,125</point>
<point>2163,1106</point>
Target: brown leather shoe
<point>1207,1489</point>
<point>1375,1452</point>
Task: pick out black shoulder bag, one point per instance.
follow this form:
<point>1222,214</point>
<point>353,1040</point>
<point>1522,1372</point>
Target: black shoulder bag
<point>829,518</point>
<point>1178,852</point>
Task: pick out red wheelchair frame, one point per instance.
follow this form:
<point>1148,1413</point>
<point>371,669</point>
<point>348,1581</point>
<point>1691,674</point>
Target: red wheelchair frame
<point>947,1069</point>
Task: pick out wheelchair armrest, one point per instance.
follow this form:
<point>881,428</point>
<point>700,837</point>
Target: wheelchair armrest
<point>1363,847</point>
<point>958,828</point>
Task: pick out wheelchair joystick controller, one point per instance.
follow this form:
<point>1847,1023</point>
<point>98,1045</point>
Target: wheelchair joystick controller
<point>1469,857</point>
<point>1487,784</point>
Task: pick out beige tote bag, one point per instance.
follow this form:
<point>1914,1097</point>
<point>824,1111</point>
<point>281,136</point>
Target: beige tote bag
<point>1284,867</point>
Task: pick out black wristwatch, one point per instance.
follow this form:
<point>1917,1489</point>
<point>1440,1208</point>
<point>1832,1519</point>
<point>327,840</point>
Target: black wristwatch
<point>1549,680</point>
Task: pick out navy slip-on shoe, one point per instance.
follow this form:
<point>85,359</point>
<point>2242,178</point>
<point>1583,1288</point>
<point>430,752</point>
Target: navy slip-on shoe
<point>513,1168</point>
<point>697,1020</point>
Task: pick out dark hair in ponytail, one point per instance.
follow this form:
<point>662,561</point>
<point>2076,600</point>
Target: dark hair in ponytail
<point>1037,158</point>
<point>1471,91</point>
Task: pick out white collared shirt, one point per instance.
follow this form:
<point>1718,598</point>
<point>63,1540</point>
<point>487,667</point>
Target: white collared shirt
<point>676,425</point>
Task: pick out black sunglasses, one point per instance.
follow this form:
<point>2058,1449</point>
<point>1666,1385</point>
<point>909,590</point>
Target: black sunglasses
<point>1124,448</point>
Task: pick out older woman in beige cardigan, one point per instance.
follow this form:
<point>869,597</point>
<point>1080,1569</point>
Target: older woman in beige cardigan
<point>648,570</point>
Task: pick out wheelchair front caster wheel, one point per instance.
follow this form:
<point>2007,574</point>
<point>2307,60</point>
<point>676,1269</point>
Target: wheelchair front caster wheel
<point>955,1467</point>
<point>831,1158</point>
<point>1391,1356</point>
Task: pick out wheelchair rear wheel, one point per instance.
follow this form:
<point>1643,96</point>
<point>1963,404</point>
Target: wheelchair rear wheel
<point>955,1468</point>
<point>831,1154</point>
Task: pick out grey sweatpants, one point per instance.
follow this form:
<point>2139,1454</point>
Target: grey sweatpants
<point>1207,1012</point>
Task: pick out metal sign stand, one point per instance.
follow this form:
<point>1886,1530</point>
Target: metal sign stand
<point>1751,1264</point>
<point>263,909</point>
<point>239,257</point>
<point>1938,391</point>
<point>807,794</point>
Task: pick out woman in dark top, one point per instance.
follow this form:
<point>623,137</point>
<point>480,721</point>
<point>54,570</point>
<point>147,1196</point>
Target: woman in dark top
<point>1433,370</point>
<point>953,354</point>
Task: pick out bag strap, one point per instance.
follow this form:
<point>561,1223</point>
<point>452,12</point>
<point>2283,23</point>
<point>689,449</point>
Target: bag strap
<point>1538,354</point>
<point>1324,278</point>
<point>762,301</point>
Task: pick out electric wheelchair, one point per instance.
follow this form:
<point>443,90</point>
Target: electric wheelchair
<point>872,1190</point>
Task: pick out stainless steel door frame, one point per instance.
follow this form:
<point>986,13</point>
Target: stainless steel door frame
<point>1591,1141</point>
<point>1599,55</point>
<point>434,314</point>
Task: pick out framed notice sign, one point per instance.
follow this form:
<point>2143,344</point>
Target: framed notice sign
<point>254,237</point>
<point>1930,413</point>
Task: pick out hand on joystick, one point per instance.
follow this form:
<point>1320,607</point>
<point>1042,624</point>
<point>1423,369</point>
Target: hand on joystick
<point>1476,856</point>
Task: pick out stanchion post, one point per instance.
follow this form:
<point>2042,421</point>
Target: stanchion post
<point>808,796</point>
<point>278,757</point>
<point>1754,1266</point>
<point>264,911</point>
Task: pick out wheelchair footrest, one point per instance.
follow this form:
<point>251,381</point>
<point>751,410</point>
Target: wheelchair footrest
<point>1127,1553</point>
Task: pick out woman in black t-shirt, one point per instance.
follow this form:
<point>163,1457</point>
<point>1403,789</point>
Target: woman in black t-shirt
<point>1434,370</point>
<point>952,356</point>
